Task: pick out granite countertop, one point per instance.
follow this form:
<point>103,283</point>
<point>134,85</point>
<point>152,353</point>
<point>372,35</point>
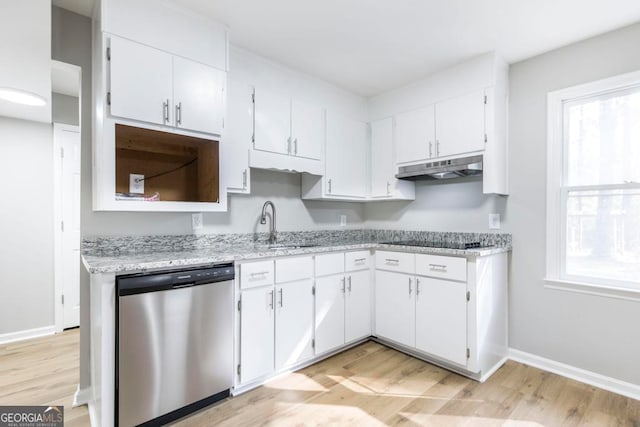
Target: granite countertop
<point>127,254</point>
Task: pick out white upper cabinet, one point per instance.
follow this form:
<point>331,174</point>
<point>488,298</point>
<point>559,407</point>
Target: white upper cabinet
<point>460,125</point>
<point>236,139</point>
<point>272,117</point>
<point>307,129</point>
<point>415,134</point>
<point>346,157</point>
<point>152,86</point>
<point>198,96</point>
<point>141,82</point>
<point>384,184</point>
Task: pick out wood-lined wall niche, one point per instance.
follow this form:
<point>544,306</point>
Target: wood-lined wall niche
<point>177,167</point>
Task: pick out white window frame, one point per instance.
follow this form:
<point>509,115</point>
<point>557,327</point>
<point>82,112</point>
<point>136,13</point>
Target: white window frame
<point>557,191</point>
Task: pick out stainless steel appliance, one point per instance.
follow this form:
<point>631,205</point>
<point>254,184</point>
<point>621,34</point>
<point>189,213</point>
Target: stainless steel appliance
<point>174,343</point>
<point>442,169</point>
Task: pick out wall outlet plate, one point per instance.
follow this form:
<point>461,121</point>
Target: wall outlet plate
<point>494,221</point>
<point>343,220</point>
<point>136,183</point>
<point>197,223</point>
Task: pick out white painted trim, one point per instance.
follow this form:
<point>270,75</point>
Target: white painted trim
<point>81,397</point>
<point>601,381</point>
<point>593,289</point>
<point>27,334</point>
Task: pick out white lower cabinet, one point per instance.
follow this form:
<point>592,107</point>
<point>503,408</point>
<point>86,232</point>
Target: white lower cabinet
<point>330,313</point>
<point>441,318</point>
<point>256,333</point>
<point>294,323</point>
<point>395,307</point>
<point>357,306</point>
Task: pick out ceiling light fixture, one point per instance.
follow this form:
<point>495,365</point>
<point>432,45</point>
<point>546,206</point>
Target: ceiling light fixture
<point>21,97</point>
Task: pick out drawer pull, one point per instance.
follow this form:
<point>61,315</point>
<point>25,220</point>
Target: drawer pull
<point>260,273</point>
<point>438,266</point>
<point>360,260</point>
<point>409,286</point>
<point>391,260</point>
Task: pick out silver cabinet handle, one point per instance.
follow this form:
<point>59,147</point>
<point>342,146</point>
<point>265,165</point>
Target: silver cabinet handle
<point>388,188</point>
<point>430,148</point>
<point>410,286</point>
<point>289,145</point>
<point>349,280</point>
<point>343,287</point>
<point>244,178</point>
<point>437,147</point>
<point>438,266</point>
<point>360,260</point>
<point>392,261</point>
<point>329,185</point>
<point>260,273</point>
<point>165,111</point>
<point>295,146</point>
<point>281,297</point>
<point>179,113</point>
<point>271,300</point>
<point>417,287</point>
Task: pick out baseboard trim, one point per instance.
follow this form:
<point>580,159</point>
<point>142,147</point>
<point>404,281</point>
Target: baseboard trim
<point>27,334</point>
<point>81,397</point>
<point>601,381</point>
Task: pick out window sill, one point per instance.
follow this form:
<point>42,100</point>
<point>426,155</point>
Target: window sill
<point>593,289</point>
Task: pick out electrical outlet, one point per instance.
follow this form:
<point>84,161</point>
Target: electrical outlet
<point>494,221</point>
<point>343,220</point>
<point>136,183</point>
<point>197,223</point>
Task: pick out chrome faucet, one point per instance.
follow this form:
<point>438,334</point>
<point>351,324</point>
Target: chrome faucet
<point>273,234</point>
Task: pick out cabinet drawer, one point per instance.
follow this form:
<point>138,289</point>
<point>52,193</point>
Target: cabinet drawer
<point>396,261</point>
<point>254,274</point>
<point>327,264</point>
<point>360,260</point>
<point>295,268</point>
<point>444,267</point>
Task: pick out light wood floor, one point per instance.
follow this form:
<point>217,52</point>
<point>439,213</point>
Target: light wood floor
<point>370,385</point>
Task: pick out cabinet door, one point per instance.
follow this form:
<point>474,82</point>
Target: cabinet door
<point>236,140</point>
<point>294,323</point>
<point>382,176</point>
<point>256,333</point>
<point>307,130</point>
<point>198,96</point>
<point>330,295</point>
<point>358,306</point>
<point>441,319</point>
<point>415,135</point>
<point>460,125</point>
<point>272,121</point>
<point>395,307</point>
<point>140,82</point>
<point>346,151</point>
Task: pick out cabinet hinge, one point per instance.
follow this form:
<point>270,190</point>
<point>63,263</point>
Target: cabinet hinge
<point>468,353</point>
<point>485,100</point>
<point>313,343</point>
<point>62,298</point>
<point>313,290</point>
<point>238,370</point>
<point>108,54</point>
<point>253,98</point>
<point>62,226</point>
<point>108,98</point>
<point>485,138</point>
<point>468,296</point>
<point>62,152</point>
<point>239,305</point>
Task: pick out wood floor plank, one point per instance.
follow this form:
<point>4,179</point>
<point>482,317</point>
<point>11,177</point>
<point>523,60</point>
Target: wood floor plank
<point>368,385</point>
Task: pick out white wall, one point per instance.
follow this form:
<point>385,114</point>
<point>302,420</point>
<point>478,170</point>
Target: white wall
<point>65,109</point>
<point>26,225</point>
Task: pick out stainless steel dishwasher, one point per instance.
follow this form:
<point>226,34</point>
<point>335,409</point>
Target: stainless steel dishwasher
<point>174,343</point>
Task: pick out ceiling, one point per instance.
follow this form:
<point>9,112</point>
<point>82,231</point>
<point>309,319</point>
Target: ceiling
<point>372,46</point>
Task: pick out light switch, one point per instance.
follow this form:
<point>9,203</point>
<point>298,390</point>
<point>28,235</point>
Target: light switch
<point>343,220</point>
<point>136,183</point>
<point>494,221</point>
<point>196,222</point>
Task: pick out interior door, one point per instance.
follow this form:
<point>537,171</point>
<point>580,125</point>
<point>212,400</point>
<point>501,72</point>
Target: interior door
<point>294,322</point>
<point>140,82</point>
<point>307,129</point>
<point>415,135</point>
<point>330,317</point>
<point>256,333</point>
<point>441,319</point>
<point>345,156</point>
<point>358,305</point>
<point>395,307</point>
<point>382,176</point>
<point>236,140</point>
<point>272,121</point>
<point>460,124</point>
<point>198,96</point>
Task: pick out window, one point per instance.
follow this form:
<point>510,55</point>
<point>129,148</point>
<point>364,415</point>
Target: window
<point>593,185</point>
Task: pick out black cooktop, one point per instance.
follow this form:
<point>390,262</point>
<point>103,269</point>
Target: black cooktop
<point>435,244</point>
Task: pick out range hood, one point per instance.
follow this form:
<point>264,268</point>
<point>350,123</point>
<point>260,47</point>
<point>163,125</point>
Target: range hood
<point>442,169</point>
